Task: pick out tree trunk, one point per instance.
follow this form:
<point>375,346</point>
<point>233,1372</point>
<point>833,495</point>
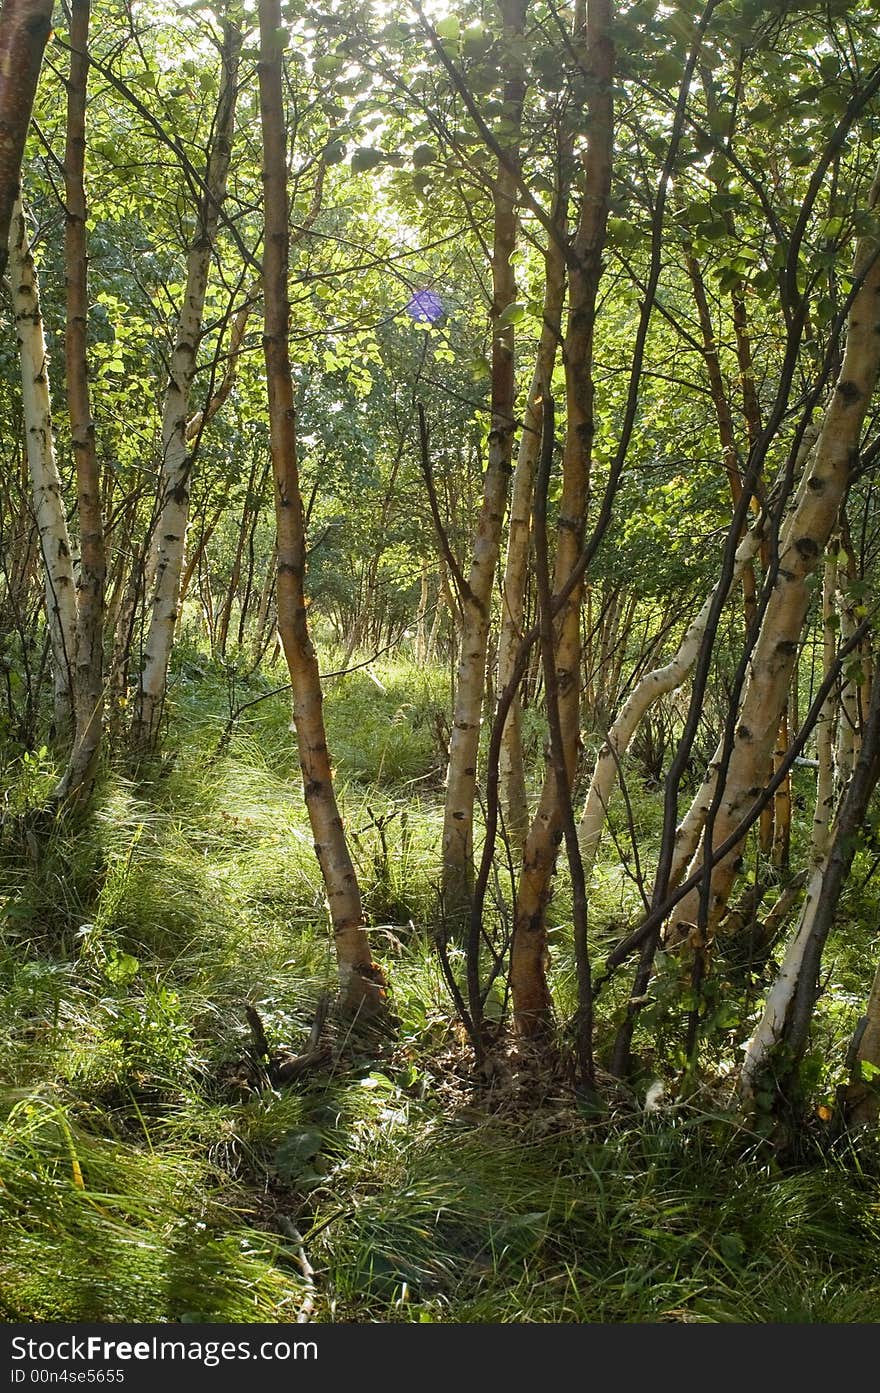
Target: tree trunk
<point>176,456</point>
<point>790,1001</point>
<point>235,576</point>
<point>421,634</point>
<point>49,510</point>
<point>511,770</point>
<point>649,690</point>
<point>846,744</point>
<point>531,996</point>
<point>781,847</point>
<point>434,635</point>
<point>729,453</point>
<point>361,982</point>
<point>24,28</point>
<point>825,724</point>
<point>861,1096</point>
<point>88,671</point>
<point>802,543</point>
<point>120,658</point>
<point>256,513</point>
<point>461,776</point>
<point>266,592</point>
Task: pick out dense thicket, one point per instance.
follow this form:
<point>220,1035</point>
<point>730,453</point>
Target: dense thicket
<point>518,359</point>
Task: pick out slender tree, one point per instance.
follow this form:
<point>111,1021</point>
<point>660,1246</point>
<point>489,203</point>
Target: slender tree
<point>48,499</point>
<point>24,28</point>
<point>801,546</point>
<point>461,777</point>
<point>177,452</point>
<point>361,982</point>
<point>593,39</point>
<point>88,659</point>
<point>516,566</point>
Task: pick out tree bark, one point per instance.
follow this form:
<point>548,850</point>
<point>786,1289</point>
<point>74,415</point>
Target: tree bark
<point>88,671</point>
<point>361,982</point>
<point>846,744</point>
<point>802,543</point>
<point>529,990</point>
<point>780,851</point>
<point>861,1096</point>
<point>790,1001</point>
<point>267,590</point>
<point>24,28</point>
<point>235,575</point>
<point>649,690</point>
<point>511,769</point>
<point>177,458</point>
<point>49,509</point>
<point>461,776</point>
<point>723,415</point>
<point>421,634</point>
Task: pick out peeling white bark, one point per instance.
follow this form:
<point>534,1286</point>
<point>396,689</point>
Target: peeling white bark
<point>779,998</point>
<point>167,555</point>
<point>804,539</point>
<point>649,690</point>
<point>48,502</point>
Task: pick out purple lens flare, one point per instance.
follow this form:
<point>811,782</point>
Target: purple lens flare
<point>425,307</point>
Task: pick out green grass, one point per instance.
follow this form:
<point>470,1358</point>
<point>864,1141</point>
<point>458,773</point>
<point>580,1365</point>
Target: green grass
<point>141,1180</point>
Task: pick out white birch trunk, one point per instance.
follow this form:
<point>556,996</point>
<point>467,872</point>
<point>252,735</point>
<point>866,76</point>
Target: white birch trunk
<point>48,503</point>
<point>167,554</point>
<point>779,997</point>
<point>802,543</point>
<point>861,1098</point>
<point>848,718</point>
<point>510,764</point>
<point>649,690</point>
<point>825,722</point>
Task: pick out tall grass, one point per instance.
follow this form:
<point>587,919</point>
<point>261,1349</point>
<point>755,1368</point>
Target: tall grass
<point>145,1176</point>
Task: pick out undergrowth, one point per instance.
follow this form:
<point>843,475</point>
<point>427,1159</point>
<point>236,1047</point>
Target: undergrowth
<point>148,1172</point>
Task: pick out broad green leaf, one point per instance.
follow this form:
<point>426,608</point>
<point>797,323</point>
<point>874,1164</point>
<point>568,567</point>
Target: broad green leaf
<point>366,157</point>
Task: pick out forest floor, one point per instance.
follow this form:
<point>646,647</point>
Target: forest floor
<point>148,1172</point>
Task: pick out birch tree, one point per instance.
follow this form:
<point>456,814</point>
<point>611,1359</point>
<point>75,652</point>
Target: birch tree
<point>48,501</point>
<point>461,777</point>
<point>88,657</point>
<point>361,982</point>
<point>177,457</point>
<point>801,546</point>
<point>593,38</point>
<point>24,29</point>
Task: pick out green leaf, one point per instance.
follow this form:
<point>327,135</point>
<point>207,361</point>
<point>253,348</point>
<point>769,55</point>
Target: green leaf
<point>731,1247</point>
<point>480,369</point>
<point>831,229</point>
<point>424,155</point>
<point>714,231</point>
<point>421,182</point>
<point>121,968</point>
<point>622,233</point>
<point>513,313</point>
<point>366,157</point>
<point>668,70</point>
<point>295,1151</point>
<point>854,672</point>
<point>448,28</point>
